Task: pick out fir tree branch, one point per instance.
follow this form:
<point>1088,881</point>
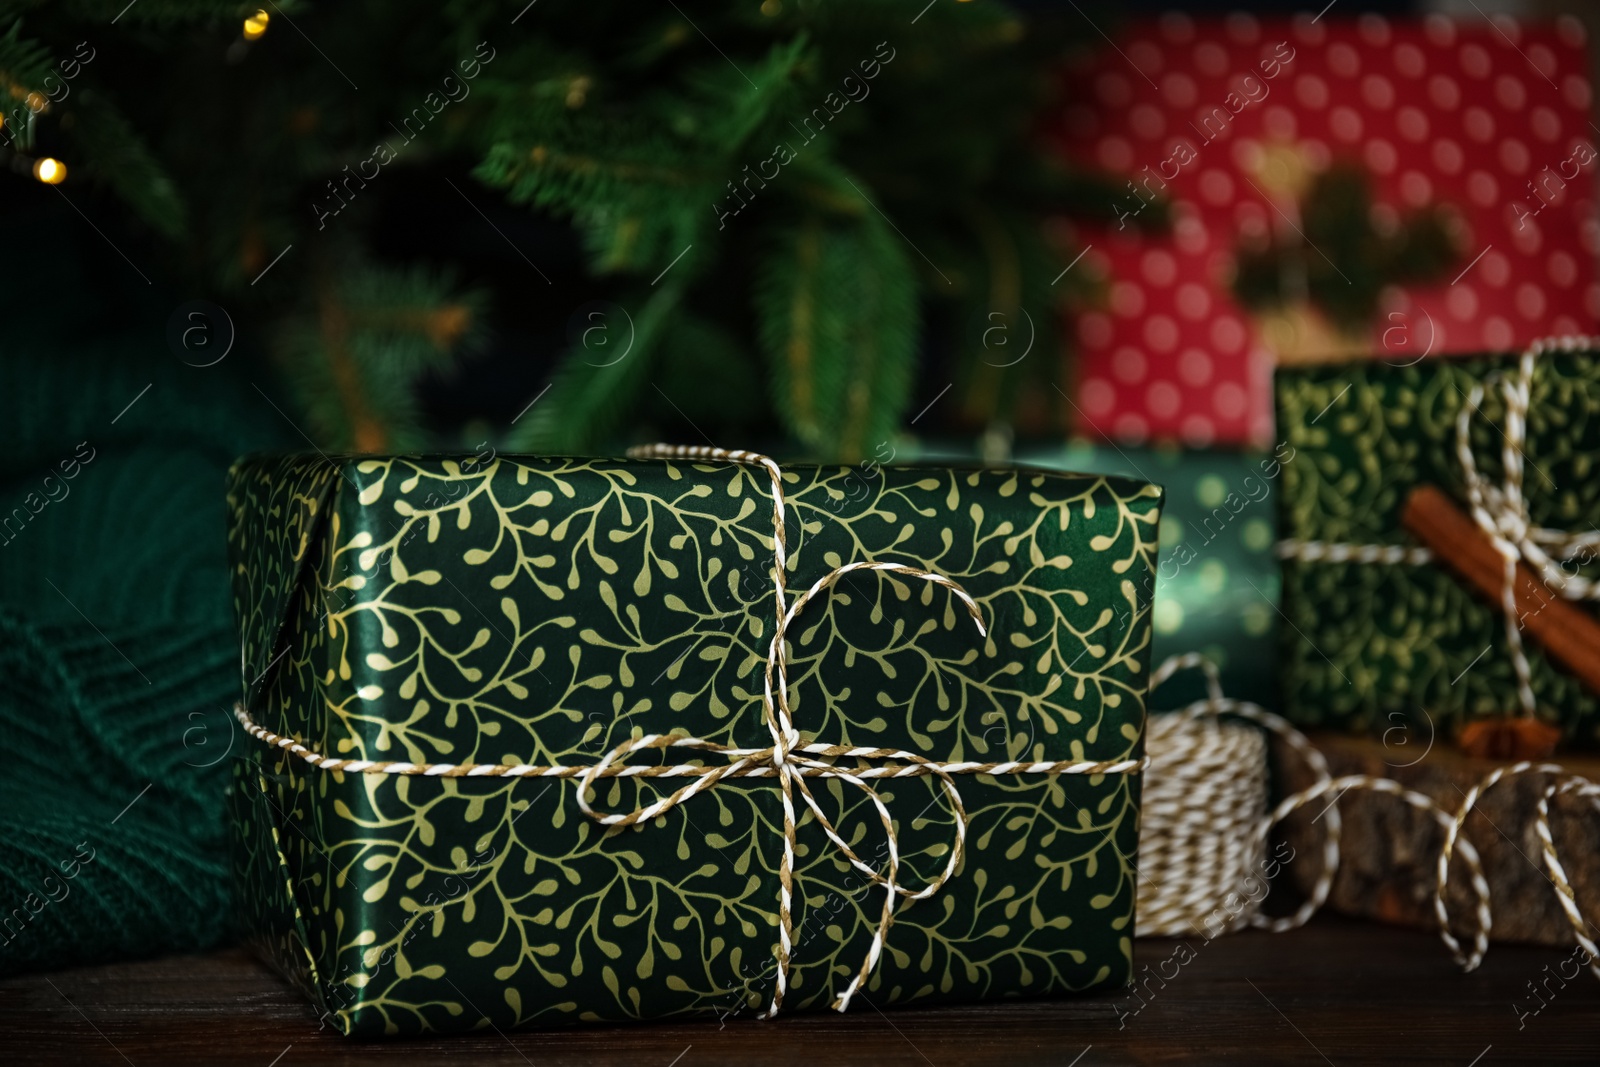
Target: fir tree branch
<point>835,303</point>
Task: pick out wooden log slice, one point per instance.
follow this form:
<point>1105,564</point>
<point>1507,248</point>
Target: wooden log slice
<point>1389,850</point>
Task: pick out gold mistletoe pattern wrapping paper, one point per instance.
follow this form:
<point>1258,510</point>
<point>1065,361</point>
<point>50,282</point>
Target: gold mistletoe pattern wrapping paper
<point>1407,647</point>
<point>531,610</point>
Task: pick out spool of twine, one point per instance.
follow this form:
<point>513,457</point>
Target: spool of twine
<point>1205,793</point>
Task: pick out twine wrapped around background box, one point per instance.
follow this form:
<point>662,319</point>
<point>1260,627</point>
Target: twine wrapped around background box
<point>1499,512</point>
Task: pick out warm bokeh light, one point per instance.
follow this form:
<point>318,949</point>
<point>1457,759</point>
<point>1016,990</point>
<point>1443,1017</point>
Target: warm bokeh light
<point>50,171</point>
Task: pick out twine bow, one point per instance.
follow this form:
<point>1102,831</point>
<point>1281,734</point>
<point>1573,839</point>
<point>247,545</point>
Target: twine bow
<point>789,758</point>
<point>1499,511</point>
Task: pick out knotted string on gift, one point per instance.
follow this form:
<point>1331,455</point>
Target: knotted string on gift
<point>1500,512</point>
<point>789,758</point>
<point>1192,900</point>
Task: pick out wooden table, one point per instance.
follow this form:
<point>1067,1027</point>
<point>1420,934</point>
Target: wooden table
<point>1338,992</point>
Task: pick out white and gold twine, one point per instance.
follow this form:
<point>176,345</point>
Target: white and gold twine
<point>1500,512</point>
<point>1221,774</point>
<point>789,759</point>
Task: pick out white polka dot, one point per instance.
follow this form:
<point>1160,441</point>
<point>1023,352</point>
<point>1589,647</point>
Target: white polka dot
<point>1113,89</point>
<point>1497,333</point>
<point>1131,427</point>
<point>1530,301</point>
<point>1211,58</point>
<point>1193,301</point>
<point>1374,30</point>
<point>1441,30</point>
<point>1344,60</point>
<point>1415,188</point>
<point>1115,153</point>
<point>1227,334</point>
<point>1412,123</point>
<point>1242,28</point>
<point>1591,300</point>
<point>1280,123</point>
<point>1317,154</point>
<point>1564,324</point>
<point>1250,218</point>
<point>1220,263</point>
<point>1475,61</point>
<point>1495,270</point>
<point>1308,30</point>
<point>1229,400</point>
<point>1198,431</point>
<point>1097,397</point>
<point>1178,89</point>
<point>1127,299</point>
<point>1395,304</point>
<point>1191,235</point>
<point>1575,91</point>
<point>1527,237</point>
<point>1545,123</point>
<point>1378,92</point>
<point>1589,234</point>
<point>1510,92</point>
<point>1176,27</point>
<point>1571,31</point>
<point>1161,333</point>
<point>1311,91</point>
<point>1462,300</point>
<point>1514,156</point>
<point>1479,124</point>
<point>1158,266</point>
<point>1163,399</point>
<point>1147,121</point>
<point>1345,124</point>
<point>1447,156</point>
<point>1563,269</point>
<point>1381,156</point>
<point>1146,56</point>
<point>1194,366</point>
<point>1444,92</point>
<point>1247,155</point>
<point>1409,60</point>
<point>1095,329</point>
<point>1128,364</point>
<point>1216,187</point>
<point>1482,189</point>
<point>1543,60</point>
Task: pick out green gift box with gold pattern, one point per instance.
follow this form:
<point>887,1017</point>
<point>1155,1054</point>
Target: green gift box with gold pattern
<point>525,751</point>
<point>1381,635</point>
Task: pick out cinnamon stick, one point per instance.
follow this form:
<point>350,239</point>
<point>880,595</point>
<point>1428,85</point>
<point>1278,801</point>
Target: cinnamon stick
<point>1567,633</point>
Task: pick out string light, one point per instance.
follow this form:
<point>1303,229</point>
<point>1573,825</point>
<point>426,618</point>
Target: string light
<point>50,171</point>
<point>256,25</point>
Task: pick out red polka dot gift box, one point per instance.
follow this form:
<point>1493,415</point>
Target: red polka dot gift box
<point>1226,121</point>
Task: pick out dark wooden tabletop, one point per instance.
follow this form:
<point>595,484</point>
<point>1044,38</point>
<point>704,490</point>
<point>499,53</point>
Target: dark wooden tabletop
<point>1337,992</point>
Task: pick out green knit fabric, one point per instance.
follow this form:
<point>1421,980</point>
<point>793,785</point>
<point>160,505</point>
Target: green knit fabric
<point>118,656</point>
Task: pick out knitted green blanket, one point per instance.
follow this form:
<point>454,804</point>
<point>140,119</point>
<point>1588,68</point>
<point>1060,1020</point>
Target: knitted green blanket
<point>118,658</point>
